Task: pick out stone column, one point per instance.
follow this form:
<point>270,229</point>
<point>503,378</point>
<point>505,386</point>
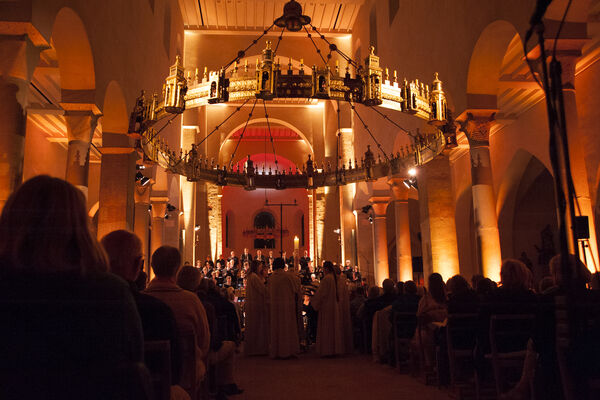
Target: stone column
<point>347,192</point>
<point>477,129</point>
<point>141,224</point>
<point>18,58</point>
<point>188,196</point>
<point>80,130</point>
<point>403,249</point>
<point>117,182</point>
<point>159,207</point>
<point>380,249</point>
<point>437,214</point>
<point>577,140</point>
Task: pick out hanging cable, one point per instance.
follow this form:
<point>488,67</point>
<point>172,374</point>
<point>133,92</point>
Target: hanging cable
<point>369,131</point>
<point>163,127</point>
<point>242,134</point>
<point>278,42</point>
<point>238,108</point>
<point>333,47</point>
<point>271,136</point>
<point>316,47</point>
<point>242,53</point>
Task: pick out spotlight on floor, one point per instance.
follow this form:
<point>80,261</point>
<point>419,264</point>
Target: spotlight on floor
<point>197,228</point>
<point>412,172</point>
<point>142,179</point>
<point>337,231</point>
<point>139,167</point>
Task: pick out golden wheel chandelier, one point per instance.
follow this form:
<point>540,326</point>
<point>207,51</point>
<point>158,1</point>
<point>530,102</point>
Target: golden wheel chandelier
<point>370,86</point>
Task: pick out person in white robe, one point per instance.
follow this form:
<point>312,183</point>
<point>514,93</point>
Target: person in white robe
<point>256,334</point>
<point>283,294</point>
<point>330,335</point>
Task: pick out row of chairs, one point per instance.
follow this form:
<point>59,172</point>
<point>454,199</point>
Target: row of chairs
<point>508,337</point>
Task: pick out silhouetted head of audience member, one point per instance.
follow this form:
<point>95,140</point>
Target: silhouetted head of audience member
<point>485,287</point>
<point>410,287</point>
<point>373,292</point>
<point>400,288</point>
<point>546,283</point>
<point>188,278</point>
<point>166,261</point>
<point>44,228</point>
<point>436,287</point>
<point>141,281</point>
<point>388,286</point>
<point>475,279</point>
<point>124,250</point>
<point>457,285</point>
<point>360,291</point>
<point>514,275</point>
<point>580,275</point>
<point>278,263</point>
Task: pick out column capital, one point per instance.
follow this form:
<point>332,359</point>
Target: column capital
<point>476,125</point>
<point>159,206</point>
<point>398,189</point>
<point>81,124</point>
<point>379,204</point>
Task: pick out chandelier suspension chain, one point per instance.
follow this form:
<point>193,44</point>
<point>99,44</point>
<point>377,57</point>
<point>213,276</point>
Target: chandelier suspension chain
<point>222,122</point>
<point>242,53</point>
<point>369,131</point>
<point>242,134</point>
<point>334,47</point>
<point>270,136</point>
<point>163,127</point>
<point>316,47</point>
<point>278,42</point>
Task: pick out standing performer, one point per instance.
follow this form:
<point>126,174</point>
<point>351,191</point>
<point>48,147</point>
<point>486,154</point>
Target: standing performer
<point>256,335</point>
<point>284,342</point>
<point>330,335</point>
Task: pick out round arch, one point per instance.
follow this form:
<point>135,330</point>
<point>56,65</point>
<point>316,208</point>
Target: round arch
<point>75,56</point>
<point>257,121</point>
<point>486,60</point>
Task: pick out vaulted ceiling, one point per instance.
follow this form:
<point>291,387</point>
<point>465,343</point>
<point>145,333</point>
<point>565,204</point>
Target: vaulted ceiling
<point>334,16</point>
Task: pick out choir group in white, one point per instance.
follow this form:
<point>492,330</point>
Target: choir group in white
<point>273,313</point>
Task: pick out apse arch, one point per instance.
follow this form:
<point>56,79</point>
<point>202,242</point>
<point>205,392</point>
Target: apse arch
<point>258,121</point>
<point>486,62</point>
<point>527,207</point>
<point>74,51</point>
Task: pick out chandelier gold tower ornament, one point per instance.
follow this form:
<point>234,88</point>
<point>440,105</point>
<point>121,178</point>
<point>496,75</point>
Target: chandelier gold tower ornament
<point>269,80</point>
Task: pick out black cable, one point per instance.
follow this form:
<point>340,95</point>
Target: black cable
<point>242,53</point>
<point>242,134</point>
<point>334,47</point>
<point>164,126</point>
<point>316,47</point>
<point>270,136</point>
<point>278,41</point>
<point>392,122</point>
<point>225,120</point>
<point>369,131</point>
<point>562,22</point>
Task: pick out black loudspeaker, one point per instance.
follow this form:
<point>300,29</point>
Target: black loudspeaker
<point>582,228</point>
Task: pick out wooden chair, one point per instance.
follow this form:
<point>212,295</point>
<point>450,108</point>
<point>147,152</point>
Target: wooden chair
<point>404,325</point>
<point>157,357</point>
<point>461,337</point>
<point>509,334</point>
<point>189,381</point>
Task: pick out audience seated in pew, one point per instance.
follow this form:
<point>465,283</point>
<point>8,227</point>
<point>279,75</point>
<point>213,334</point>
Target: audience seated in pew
<point>189,312</point>
<point>124,250</point>
<point>72,329</point>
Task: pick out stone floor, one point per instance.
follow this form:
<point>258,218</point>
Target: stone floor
<point>312,378</point>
